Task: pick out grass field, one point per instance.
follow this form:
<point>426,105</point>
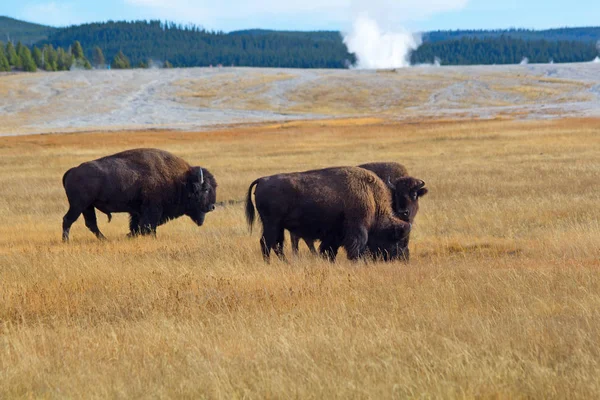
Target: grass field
<point>501,298</point>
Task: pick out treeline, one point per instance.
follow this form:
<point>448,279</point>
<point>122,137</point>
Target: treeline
<point>503,50</point>
<point>581,34</point>
<point>21,58</point>
<point>193,46</point>
<point>49,58</point>
<point>142,44</point>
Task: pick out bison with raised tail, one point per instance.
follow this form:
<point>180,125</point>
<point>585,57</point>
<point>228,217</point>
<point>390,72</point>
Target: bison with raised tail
<point>152,185</point>
<point>346,207</point>
<point>405,190</point>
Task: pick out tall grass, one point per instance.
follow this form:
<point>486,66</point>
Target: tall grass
<point>501,297</point>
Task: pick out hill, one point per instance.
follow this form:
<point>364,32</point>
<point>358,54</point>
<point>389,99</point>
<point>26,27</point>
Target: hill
<point>20,31</point>
<point>583,34</point>
<point>186,46</point>
<point>191,46</point>
<point>503,50</point>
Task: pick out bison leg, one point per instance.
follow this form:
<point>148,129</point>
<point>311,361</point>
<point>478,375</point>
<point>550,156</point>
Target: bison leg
<point>295,239</point>
<point>329,249</point>
<point>355,242</point>
<point>265,249</point>
<point>134,225</point>
<point>279,246</point>
<point>68,220</point>
<point>150,220</point>
<point>90,221</point>
<point>311,245</point>
<point>272,238</point>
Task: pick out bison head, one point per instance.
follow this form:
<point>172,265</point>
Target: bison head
<point>391,242</point>
<point>201,190</point>
<point>406,192</point>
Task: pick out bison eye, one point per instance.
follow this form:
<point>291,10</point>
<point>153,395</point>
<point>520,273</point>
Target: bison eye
<point>414,196</point>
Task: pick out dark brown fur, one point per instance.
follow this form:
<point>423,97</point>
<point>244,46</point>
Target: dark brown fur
<point>152,185</point>
<point>344,206</point>
<point>404,204</point>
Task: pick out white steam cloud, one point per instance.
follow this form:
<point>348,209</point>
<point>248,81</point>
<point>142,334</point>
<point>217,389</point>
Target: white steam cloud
<point>377,49</point>
<point>377,36</point>
<point>524,61</point>
<point>596,60</point>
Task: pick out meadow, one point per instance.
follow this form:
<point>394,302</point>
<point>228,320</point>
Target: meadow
<point>501,298</point>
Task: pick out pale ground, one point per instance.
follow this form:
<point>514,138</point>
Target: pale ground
<point>198,98</point>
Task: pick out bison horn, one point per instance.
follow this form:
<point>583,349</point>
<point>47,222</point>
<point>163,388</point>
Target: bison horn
<point>390,184</point>
<point>201,177</point>
<point>420,184</point>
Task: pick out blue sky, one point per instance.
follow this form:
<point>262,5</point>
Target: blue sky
<point>316,14</point>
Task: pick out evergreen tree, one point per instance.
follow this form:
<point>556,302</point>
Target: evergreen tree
<point>38,57</point>
<point>13,57</point>
<point>4,65</point>
<point>77,50</point>
<point>50,58</point>
<point>120,61</point>
<point>64,60</point>
<point>79,58</point>
<point>98,57</point>
<point>167,64</point>
<point>19,47</point>
<point>27,60</point>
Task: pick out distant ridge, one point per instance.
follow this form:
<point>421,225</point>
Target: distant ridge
<point>581,34</point>
<point>155,42</point>
<point>25,32</point>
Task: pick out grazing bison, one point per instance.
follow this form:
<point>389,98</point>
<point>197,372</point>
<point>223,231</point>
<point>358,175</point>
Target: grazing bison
<point>404,188</point>
<point>344,206</point>
<point>152,185</point>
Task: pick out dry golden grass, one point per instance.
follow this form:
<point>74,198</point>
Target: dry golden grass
<point>501,298</point>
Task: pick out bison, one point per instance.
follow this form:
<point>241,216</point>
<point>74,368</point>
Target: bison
<point>343,206</point>
<point>405,191</point>
<point>152,185</point>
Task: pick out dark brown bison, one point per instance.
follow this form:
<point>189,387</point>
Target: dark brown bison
<point>346,207</point>
<point>404,188</point>
<point>152,185</point>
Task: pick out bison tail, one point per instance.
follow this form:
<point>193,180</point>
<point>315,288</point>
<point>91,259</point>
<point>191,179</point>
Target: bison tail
<point>250,214</point>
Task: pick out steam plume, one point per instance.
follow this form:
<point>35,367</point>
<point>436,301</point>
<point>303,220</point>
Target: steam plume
<point>377,49</point>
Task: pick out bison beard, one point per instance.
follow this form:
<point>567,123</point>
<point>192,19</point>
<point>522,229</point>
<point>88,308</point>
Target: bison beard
<point>346,207</point>
<point>152,185</point>
<point>405,191</point>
